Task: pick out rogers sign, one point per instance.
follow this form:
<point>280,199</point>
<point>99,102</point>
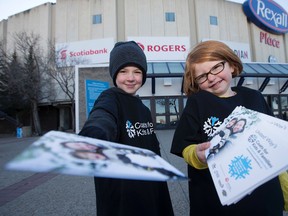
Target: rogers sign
<point>164,48</point>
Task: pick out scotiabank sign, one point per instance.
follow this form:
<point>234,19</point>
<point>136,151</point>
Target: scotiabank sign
<point>163,48</point>
<point>267,15</point>
<point>84,52</point>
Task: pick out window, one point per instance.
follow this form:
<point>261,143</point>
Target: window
<point>97,19</point>
<point>146,102</point>
<point>170,17</point>
<point>284,107</point>
<point>167,112</point>
<point>160,113</point>
<point>213,20</point>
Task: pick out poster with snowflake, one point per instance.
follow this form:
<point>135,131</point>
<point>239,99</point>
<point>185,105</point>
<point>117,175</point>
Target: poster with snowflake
<point>247,150</point>
<point>68,153</point>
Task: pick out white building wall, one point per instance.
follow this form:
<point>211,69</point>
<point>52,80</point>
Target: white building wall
<point>262,50</point>
<point>3,31</point>
<point>74,20</point>
<point>147,18</point>
<point>71,20</point>
<point>37,20</point>
<point>232,24</point>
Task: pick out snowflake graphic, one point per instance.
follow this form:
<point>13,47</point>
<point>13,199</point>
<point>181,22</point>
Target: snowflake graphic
<point>210,125</point>
<point>240,167</point>
<point>130,129</point>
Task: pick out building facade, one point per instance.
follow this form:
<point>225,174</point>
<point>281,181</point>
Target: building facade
<point>166,30</point>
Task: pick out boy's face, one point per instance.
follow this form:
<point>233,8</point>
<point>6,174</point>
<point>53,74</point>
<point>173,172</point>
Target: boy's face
<point>129,79</point>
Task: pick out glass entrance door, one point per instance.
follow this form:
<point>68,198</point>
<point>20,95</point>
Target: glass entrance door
<point>167,112</point>
<point>284,107</point>
<point>279,105</point>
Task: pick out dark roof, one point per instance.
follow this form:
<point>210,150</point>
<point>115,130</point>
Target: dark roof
<point>255,69</point>
<point>252,69</point>
<point>165,69</point>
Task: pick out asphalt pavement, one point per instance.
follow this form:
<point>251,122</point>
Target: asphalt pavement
<point>50,194</point>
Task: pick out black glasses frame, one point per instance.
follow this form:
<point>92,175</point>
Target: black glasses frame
<point>212,71</point>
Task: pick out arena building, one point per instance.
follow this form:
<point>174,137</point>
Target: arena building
<point>86,31</point>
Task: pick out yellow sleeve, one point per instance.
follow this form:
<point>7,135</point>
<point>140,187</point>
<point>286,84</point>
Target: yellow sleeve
<point>283,178</point>
<point>190,156</point>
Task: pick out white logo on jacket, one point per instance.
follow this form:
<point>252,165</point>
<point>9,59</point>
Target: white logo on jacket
<point>210,125</point>
<point>139,128</point>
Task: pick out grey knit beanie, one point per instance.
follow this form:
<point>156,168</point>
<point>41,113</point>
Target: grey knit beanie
<point>127,54</point>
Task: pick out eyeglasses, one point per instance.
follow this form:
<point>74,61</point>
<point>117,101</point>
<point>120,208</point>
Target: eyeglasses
<point>218,68</point>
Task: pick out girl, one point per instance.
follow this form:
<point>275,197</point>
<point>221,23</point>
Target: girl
<point>210,67</point>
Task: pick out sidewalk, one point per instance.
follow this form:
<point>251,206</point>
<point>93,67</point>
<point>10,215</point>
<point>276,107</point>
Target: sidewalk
<point>49,194</point>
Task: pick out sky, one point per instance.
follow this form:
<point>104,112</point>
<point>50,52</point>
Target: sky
<point>11,7</point>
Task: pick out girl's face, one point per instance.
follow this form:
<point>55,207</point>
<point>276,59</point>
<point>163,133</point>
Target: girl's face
<point>218,84</point>
<point>239,126</point>
<point>129,79</point>
<point>231,123</point>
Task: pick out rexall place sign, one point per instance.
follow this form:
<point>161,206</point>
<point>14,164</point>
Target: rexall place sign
<point>267,15</point>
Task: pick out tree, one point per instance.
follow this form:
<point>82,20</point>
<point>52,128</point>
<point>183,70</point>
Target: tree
<point>24,73</point>
<point>37,86</point>
<point>62,70</point>
<point>12,101</point>
<point>33,78</point>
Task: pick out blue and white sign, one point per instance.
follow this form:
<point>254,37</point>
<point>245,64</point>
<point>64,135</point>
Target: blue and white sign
<point>93,90</point>
<point>267,15</point>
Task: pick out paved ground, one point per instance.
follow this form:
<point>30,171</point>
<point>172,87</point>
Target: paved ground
<point>47,194</point>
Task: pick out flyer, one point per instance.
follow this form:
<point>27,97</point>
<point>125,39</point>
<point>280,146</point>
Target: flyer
<point>247,150</point>
<point>68,153</point>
